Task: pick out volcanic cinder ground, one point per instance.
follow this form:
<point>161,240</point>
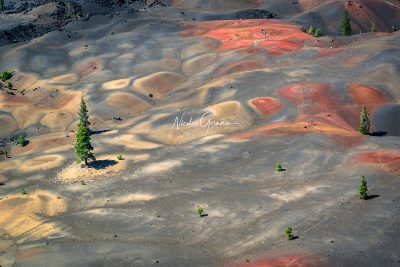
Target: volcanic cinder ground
<point>202,109</point>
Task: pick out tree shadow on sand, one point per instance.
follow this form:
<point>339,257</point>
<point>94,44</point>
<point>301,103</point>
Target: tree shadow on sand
<point>379,133</point>
<point>100,131</point>
<point>103,164</point>
<point>371,197</point>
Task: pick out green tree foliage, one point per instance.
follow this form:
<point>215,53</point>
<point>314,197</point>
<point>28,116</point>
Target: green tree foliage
<point>120,157</point>
<point>289,233</point>
<point>200,211</point>
<point>278,167</point>
<point>10,86</point>
<point>311,30</point>
<point>363,189</point>
<point>318,32</point>
<point>365,124</point>
<point>346,26</point>
<point>83,146</point>
<point>373,26</point>
<point>5,75</point>
<point>21,140</point>
<point>2,6</point>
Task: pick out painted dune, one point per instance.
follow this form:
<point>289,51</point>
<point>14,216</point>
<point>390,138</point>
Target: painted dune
<point>214,128</point>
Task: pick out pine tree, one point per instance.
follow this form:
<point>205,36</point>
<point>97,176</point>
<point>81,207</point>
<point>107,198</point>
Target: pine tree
<point>289,233</point>
<point>365,124</point>
<point>346,26</point>
<point>363,189</point>
<point>318,32</point>
<point>311,30</point>
<point>2,5</point>
<point>278,167</point>
<point>373,26</point>
<point>83,147</point>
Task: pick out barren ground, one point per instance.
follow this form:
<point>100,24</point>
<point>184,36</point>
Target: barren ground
<point>282,95</point>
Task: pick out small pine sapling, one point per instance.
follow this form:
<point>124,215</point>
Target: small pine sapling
<point>120,157</point>
<point>311,30</point>
<point>373,26</point>
<point>200,211</point>
<point>21,140</point>
<point>289,233</point>
<point>346,25</point>
<point>318,33</point>
<point>363,189</point>
<point>365,123</point>
<point>278,167</point>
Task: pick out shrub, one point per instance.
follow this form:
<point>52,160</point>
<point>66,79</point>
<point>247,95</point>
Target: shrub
<point>120,157</point>
<point>365,124</point>
<point>363,189</point>
<point>83,183</point>
<point>21,140</point>
<point>318,33</point>
<point>200,211</point>
<point>10,86</point>
<point>23,191</point>
<point>6,75</point>
<point>289,233</point>
<point>278,167</point>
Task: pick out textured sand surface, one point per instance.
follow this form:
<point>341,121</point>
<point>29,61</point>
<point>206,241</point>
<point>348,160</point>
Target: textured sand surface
<point>201,112</point>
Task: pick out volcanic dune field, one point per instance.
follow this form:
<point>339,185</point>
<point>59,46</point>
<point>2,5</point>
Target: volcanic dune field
<point>201,111</point>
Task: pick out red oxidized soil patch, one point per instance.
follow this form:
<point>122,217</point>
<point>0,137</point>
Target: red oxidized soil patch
<point>271,35</point>
<point>297,260</point>
<point>317,97</point>
<point>366,96</point>
<point>239,67</point>
<point>12,99</point>
<point>304,125</point>
<point>389,160</point>
<point>267,105</point>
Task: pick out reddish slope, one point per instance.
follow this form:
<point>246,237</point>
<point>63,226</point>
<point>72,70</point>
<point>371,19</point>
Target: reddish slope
<point>273,36</point>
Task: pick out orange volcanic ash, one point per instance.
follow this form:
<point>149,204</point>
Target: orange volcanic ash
<point>273,36</point>
<point>304,126</point>
<point>319,112</point>
<point>288,260</point>
<point>388,160</point>
<point>267,105</point>
<point>315,96</point>
<point>366,96</point>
